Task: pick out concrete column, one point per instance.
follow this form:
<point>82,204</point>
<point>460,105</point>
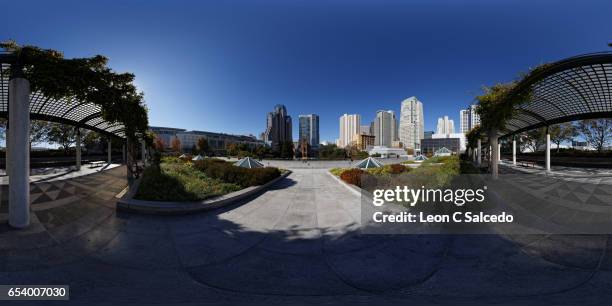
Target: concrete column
<point>494,153</point>
<point>514,152</point>
<point>77,148</point>
<point>18,147</point>
<point>123,156</point>
<point>479,153</point>
<point>109,150</point>
<point>547,152</point>
<point>499,152</point>
<point>6,154</point>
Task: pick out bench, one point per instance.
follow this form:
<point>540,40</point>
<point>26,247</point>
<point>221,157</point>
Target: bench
<point>527,163</point>
<point>97,163</point>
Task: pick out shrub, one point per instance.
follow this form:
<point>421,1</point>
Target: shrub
<point>180,182</point>
<point>337,171</point>
<point>352,176</point>
<point>229,173</point>
<point>397,169</point>
<point>171,160</point>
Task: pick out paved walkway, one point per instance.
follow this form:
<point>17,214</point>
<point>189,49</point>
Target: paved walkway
<point>296,243</point>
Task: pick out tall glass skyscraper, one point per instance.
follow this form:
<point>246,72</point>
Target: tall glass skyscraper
<point>385,128</point>
<point>411,125</point>
<point>309,129</point>
<point>469,119</point>
<point>278,127</point>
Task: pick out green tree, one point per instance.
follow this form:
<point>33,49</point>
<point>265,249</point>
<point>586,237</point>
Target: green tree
<point>597,132</point>
<point>286,149</point>
<point>92,140</point>
<point>63,135</point>
<point>533,139</point>
<point>39,132</point>
<point>562,132</point>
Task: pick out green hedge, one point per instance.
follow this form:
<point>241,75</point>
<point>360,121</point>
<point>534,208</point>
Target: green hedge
<point>229,173</point>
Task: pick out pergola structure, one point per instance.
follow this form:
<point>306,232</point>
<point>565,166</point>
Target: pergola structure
<point>575,88</point>
<point>18,105</point>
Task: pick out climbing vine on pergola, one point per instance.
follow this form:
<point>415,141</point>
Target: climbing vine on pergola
<point>85,80</point>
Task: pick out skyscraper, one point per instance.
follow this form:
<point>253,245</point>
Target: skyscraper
<point>411,125</point>
<point>349,129</point>
<point>309,129</point>
<point>469,119</point>
<point>278,127</point>
<point>385,128</point>
<point>445,126</point>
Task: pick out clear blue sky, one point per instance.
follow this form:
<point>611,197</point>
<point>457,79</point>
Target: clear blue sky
<point>222,66</point>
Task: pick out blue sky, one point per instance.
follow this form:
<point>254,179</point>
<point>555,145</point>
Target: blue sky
<point>221,66</point>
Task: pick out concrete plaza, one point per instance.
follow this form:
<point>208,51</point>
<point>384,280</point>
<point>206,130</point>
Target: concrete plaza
<point>294,244</point>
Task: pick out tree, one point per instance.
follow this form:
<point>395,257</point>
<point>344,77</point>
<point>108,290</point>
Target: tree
<point>159,144</point>
<point>597,132</point>
<point>39,132</point>
<point>286,149</point>
<point>562,132</point>
<point>92,140</point>
<point>175,145</point>
<point>202,146</point>
<point>63,135</point>
<point>533,139</point>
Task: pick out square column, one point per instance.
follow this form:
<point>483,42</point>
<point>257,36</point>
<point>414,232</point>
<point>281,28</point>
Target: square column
<point>18,149</point>
<point>109,150</point>
<point>499,152</point>
<point>514,152</point>
<point>547,152</point>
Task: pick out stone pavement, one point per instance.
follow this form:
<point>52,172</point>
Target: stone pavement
<point>297,243</point>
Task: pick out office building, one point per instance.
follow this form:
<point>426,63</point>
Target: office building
<point>430,146</point>
<point>411,123</point>
<point>217,142</point>
<point>278,127</point>
<point>309,129</point>
<point>445,126</point>
<point>468,119</point>
<point>365,141</point>
<point>349,129</point>
<point>365,130</point>
<point>385,128</point>
<point>166,134</point>
<point>427,134</point>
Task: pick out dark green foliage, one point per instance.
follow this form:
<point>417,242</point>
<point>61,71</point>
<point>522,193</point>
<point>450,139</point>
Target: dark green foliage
<point>180,182</point>
<point>84,79</point>
<point>229,173</point>
<point>331,152</point>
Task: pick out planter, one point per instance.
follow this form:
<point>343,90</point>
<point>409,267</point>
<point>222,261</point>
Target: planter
<point>175,208</point>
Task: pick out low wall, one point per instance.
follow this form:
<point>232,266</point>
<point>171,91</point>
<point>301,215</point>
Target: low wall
<point>126,203</point>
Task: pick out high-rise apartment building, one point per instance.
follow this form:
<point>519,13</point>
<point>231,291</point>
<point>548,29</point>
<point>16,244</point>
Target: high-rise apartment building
<point>385,128</point>
<point>445,126</point>
<point>278,127</point>
<point>349,129</point>
<point>411,123</point>
<point>309,129</point>
<point>469,119</point>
